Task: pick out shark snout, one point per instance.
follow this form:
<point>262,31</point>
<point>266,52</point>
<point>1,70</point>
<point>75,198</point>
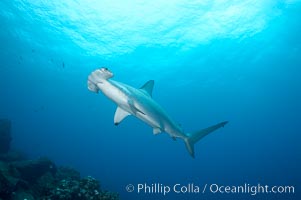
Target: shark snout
<point>102,73</point>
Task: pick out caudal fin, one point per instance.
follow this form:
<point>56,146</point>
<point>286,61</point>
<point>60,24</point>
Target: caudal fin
<point>193,138</point>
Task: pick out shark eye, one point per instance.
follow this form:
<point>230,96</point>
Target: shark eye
<point>104,69</point>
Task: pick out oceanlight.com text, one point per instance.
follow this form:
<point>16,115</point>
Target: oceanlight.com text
<point>251,189</point>
<point>192,188</point>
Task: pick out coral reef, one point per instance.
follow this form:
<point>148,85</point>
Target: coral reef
<point>41,179</point>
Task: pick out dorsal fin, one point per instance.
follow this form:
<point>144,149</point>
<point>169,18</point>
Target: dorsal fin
<point>148,87</point>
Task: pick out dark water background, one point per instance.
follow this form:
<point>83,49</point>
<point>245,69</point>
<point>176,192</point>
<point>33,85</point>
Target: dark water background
<point>211,61</point>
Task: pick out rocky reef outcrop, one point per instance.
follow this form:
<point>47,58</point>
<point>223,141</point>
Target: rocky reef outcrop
<point>41,179</point>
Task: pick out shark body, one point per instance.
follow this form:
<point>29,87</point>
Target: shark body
<point>139,103</point>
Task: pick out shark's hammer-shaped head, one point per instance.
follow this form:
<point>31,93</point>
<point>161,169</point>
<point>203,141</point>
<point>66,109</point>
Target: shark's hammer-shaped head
<point>98,76</point>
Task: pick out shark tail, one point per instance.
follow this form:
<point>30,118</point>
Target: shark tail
<point>193,138</point>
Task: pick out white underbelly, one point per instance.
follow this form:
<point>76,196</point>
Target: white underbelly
<point>114,94</point>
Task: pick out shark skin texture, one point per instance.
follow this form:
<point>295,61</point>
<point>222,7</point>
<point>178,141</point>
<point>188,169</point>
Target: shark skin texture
<point>139,103</point>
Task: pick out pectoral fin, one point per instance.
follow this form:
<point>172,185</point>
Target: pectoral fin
<point>120,114</point>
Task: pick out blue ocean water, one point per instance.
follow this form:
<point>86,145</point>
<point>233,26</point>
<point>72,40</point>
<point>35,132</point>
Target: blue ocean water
<point>211,61</point>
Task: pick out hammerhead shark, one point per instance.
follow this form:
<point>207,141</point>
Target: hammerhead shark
<point>139,103</point>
